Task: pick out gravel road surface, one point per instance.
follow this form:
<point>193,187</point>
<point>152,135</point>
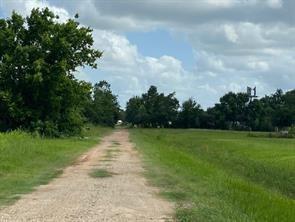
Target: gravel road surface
<point>77,196</point>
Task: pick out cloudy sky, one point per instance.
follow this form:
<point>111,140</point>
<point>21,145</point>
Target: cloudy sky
<point>197,48</point>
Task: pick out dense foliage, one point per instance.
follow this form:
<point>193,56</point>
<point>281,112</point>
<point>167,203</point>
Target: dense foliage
<point>152,109</point>
<point>103,108</point>
<point>38,56</point>
<point>237,111</point>
<point>234,111</point>
<point>190,115</point>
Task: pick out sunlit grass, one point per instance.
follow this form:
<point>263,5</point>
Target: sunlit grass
<point>27,161</point>
<point>220,175</point>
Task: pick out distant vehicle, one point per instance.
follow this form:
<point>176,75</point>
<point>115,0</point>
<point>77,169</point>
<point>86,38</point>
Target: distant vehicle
<point>119,122</point>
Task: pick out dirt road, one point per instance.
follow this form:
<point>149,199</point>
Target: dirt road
<point>76,196</point>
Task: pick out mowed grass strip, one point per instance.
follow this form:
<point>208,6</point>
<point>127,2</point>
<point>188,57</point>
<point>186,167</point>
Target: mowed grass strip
<point>221,175</point>
<point>27,161</point>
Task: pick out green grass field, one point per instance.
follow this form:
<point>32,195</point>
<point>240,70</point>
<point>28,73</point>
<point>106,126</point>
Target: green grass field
<point>27,161</point>
<point>221,175</point>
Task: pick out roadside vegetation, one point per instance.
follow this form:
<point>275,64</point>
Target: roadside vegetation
<point>221,175</point>
<point>27,161</point>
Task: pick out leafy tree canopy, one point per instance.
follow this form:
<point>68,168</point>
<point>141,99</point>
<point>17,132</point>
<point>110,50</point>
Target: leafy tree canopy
<point>38,56</point>
<point>152,109</point>
<point>104,108</point>
<point>234,111</point>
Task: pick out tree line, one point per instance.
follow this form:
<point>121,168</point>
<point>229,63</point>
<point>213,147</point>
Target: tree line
<point>234,111</point>
<point>38,90</point>
<point>39,93</point>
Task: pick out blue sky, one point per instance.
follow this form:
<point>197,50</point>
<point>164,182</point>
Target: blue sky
<point>1,12</point>
<point>160,42</point>
<point>199,49</point>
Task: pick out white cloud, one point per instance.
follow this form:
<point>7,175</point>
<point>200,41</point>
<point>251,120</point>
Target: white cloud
<point>236,43</point>
<point>275,3</point>
<point>230,33</point>
<point>259,65</point>
<point>24,7</point>
<point>131,73</point>
<point>221,3</point>
<point>234,87</point>
<point>116,48</point>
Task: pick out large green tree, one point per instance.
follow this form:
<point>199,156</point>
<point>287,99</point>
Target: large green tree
<point>38,56</point>
<point>104,108</point>
<point>190,114</point>
<point>135,111</point>
<point>152,109</point>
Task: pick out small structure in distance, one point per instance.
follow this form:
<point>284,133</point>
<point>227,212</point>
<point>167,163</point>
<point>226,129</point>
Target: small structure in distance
<point>249,92</point>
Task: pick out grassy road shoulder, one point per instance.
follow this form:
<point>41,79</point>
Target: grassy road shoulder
<point>221,176</point>
<point>27,161</point>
